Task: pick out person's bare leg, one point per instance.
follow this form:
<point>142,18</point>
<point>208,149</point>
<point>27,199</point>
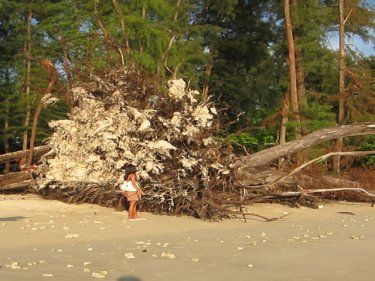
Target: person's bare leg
<point>132,211</point>
<point>136,211</point>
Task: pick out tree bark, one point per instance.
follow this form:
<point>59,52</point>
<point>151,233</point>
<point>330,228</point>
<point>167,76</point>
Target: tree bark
<point>284,121</point>
<point>69,75</point>
<point>341,113</point>
<point>262,158</point>
<point>38,151</point>
<point>53,78</point>
<point>292,67</point>
<point>27,55</point>
<point>6,139</point>
<point>123,27</point>
<point>11,179</point>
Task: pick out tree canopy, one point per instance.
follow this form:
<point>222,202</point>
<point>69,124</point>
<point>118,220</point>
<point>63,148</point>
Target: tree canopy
<point>235,50</point>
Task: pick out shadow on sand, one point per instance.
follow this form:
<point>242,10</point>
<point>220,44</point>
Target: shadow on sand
<point>12,218</point>
<point>128,278</point>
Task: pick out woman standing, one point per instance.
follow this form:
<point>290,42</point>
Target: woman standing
<point>132,195</point>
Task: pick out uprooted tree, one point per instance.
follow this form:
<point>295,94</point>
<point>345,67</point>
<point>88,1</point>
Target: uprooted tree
<point>123,117</point>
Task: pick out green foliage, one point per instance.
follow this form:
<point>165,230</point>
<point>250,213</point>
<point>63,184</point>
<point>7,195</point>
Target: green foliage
<point>368,145</point>
<point>254,141</point>
<point>243,40</point>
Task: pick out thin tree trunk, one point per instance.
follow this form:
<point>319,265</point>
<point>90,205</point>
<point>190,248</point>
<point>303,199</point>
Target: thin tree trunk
<point>107,37</point>
<point>207,79</point>
<point>68,72</point>
<point>6,139</point>
<point>176,13</point>
<point>123,27</point>
<point>292,72</point>
<point>284,121</point>
<point>164,57</point>
<point>303,156</point>
<point>27,55</point>
<point>342,94</point>
<point>53,78</point>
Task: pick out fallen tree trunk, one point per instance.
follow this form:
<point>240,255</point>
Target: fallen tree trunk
<point>247,165</point>
<point>38,151</point>
<point>19,186</point>
<point>15,180</point>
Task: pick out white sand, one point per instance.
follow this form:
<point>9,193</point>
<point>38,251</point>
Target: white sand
<point>51,240</point>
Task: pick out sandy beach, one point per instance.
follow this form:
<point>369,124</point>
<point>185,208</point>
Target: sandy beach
<point>51,240</point>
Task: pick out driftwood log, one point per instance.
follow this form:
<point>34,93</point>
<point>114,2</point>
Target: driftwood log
<point>38,151</point>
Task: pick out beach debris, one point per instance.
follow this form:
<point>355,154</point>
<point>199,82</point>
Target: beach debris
<point>101,274</point>
<point>72,235</point>
<point>168,255</point>
<point>14,265</point>
<point>195,259</point>
<point>250,265</point>
<point>47,275</point>
<point>356,237</point>
<point>239,248</point>
<point>129,256</point>
<point>87,263</point>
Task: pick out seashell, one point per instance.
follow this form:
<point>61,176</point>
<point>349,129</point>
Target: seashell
<point>168,255</point>
<point>129,256</point>
<point>71,235</point>
<point>97,275</point>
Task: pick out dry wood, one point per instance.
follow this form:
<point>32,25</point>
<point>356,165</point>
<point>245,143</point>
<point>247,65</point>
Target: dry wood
<point>13,178</point>
<point>38,151</point>
<point>24,185</point>
<point>323,157</point>
<point>44,101</point>
<point>265,157</point>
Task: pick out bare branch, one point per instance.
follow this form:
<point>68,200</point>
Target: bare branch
<point>323,157</point>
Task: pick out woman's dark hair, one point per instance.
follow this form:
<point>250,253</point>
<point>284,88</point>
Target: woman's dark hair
<point>129,169</point>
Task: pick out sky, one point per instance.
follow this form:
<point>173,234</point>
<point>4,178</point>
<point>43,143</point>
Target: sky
<point>355,42</point>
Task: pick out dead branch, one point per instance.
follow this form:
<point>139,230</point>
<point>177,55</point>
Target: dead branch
<point>313,191</point>
<point>323,157</point>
